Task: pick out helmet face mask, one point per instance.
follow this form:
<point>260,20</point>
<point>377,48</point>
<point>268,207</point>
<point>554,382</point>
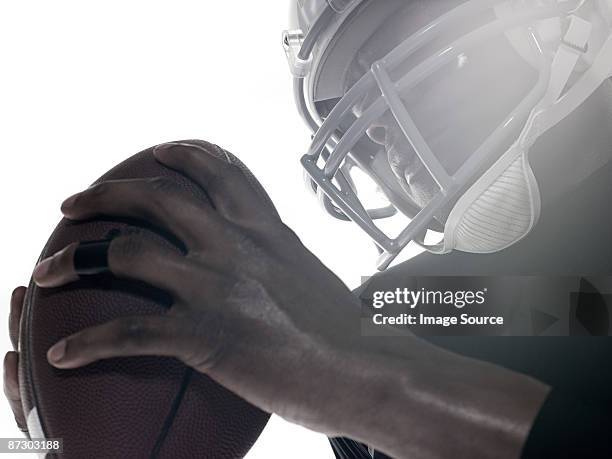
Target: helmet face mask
<point>466,175</point>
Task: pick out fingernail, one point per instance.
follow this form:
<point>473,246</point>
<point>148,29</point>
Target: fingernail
<point>42,269</point>
<point>56,352</point>
<point>68,203</point>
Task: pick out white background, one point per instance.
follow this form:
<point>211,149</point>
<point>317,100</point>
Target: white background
<point>84,85</point>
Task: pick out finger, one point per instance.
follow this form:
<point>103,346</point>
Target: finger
<point>132,256</point>
<point>11,388</point>
<point>216,172</point>
<point>126,337</point>
<point>17,299</point>
<point>58,269</point>
<point>159,200</point>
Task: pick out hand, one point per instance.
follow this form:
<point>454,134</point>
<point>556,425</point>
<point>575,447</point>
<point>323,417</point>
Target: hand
<point>11,360</point>
<point>262,316</point>
<point>253,308</point>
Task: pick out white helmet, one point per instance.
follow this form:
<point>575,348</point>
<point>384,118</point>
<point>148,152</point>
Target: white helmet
<point>489,200</point>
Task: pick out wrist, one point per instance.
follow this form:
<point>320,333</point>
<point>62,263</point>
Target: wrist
<point>375,404</point>
<point>429,402</point>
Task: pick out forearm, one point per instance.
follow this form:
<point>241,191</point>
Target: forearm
<point>431,403</point>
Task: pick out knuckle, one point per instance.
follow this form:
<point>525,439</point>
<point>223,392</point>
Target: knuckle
<point>128,249</point>
<point>287,233</point>
<point>210,332</point>
<point>224,173</point>
<point>159,194</point>
<point>215,181</point>
<point>132,332</point>
<point>270,226</point>
<point>131,246</point>
<point>162,184</point>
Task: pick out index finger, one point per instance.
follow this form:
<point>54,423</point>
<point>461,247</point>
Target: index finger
<point>235,193</point>
<point>17,299</point>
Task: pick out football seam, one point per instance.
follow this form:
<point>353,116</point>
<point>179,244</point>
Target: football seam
<point>176,404</point>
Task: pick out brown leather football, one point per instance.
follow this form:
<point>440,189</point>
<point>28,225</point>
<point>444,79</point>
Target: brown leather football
<point>131,407</point>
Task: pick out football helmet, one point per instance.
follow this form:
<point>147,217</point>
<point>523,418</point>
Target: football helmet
<point>488,201</point>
